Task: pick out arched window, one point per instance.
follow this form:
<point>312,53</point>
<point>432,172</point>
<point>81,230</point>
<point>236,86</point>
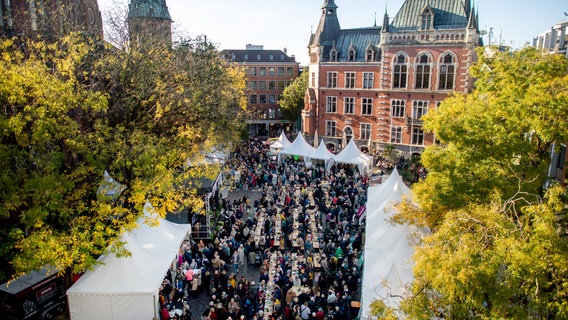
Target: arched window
<point>423,67</point>
<point>400,71</point>
<point>447,72</point>
<point>370,55</point>
<point>333,55</point>
<point>352,54</point>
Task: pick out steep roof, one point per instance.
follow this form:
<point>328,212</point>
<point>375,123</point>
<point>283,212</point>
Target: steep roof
<point>156,9</point>
<point>252,56</point>
<point>328,26</point>
<point>360,39</point>
<point>448,14</point>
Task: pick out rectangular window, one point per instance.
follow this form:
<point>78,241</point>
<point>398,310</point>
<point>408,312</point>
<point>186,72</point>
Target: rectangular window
<point>253,99</point>
<point>419,108</point>
<point>368,78</point>
<point>280,71</point>
<point>561,158</point>
<point>349,105</point>
<point>252,71</point>
<point>271,85</point>
<point>281,85</point>
<point>290,71</point>
<point>398,108</point>
<point>399,76</point>
<point>252,85</point>
<point>246,56</point>
<point>271,113</point>
<point>330,128</point>
<point>262,71</point>
<point>331,105</point>
<point>349,79</point>
<point>272,98</point>
<point>262,98</point>
<point>417,136</point>
<point>271,71</point>
<point>262,85</point>
<point>367,106</point>
<point>396,134</point>
<point>365,131</point>
<point>332,79</point>
<point>313,79</point>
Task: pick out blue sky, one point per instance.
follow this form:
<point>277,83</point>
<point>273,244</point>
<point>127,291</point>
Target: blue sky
<point>231,24</point>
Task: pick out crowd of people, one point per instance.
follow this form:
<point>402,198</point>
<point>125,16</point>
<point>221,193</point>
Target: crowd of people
<point>304,234</point>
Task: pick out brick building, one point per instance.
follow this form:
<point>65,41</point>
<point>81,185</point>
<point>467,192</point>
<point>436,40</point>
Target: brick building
<point>49,17</point>
<point>268,73</point>
<point>374,84</point>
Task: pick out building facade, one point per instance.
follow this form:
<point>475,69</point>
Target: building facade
<point>374,84</point>
<point>49,17</point>
<point>555,41</point>
<point>268,73</point>
<point>149,23</point>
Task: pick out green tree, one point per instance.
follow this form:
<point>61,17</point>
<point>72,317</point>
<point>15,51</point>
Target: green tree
<point>498,136</point>
<point>497,250</point>
<point>292,99</point>
<point>76,107</point>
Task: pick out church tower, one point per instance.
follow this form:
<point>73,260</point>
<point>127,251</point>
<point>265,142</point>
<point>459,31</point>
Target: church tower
<point>149,22</point>
<point>328,29</point>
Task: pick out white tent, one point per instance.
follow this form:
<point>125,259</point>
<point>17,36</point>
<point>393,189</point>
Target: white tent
<point>127,288</point>
<point>281,143</point>
<point>300,147</point>
<point>352,155</point>
<point>388,247</point>
<point>322,153</point>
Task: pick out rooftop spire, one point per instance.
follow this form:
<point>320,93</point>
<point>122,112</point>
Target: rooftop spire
<point>385,27</point>
<point>328,27</point>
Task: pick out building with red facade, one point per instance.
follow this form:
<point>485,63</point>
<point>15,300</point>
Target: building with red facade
<point>268,73</point>
<point>374,84</point>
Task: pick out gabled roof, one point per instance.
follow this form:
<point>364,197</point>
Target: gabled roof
<point>251,56</point>
<point>359,39</point>
<point>156,9</point>
<point>449,14</point>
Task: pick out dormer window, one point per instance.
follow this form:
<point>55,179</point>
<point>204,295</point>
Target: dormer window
<point>426,20</point>
<point>370,55</point>
<point>352,54</point>
<point>333,55</point>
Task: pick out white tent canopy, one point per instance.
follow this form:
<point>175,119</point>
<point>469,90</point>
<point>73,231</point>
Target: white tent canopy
<point>281,143</point>
<point>352,155</point>
<point>128,287</point>
<point>300,147</point>
<point>322,153</point>
<point>388,247</point>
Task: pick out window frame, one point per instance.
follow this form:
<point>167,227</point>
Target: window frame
<point>368,78</point>
<point>350,79</point>
<point>350,105</point>
<point>398,108</point>
<point>447,78</point>
<point>400,72</point>
<point>332,79</point>
<point>396,134</point>
<point>417,137</point>
<point>330,128</point>
<point>367,106</point>
<point>331,104</point>
<point>419,108</point>
<point>365,133</point>
<point>423,72</point>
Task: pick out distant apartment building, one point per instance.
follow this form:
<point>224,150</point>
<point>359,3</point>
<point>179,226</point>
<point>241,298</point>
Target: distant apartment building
<point>554,40</point>
<point>268,73</point>
<point>49,17</point>
<point>374,84</point>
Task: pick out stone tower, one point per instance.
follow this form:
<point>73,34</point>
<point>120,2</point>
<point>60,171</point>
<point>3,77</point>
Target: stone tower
<point>149,22</point>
